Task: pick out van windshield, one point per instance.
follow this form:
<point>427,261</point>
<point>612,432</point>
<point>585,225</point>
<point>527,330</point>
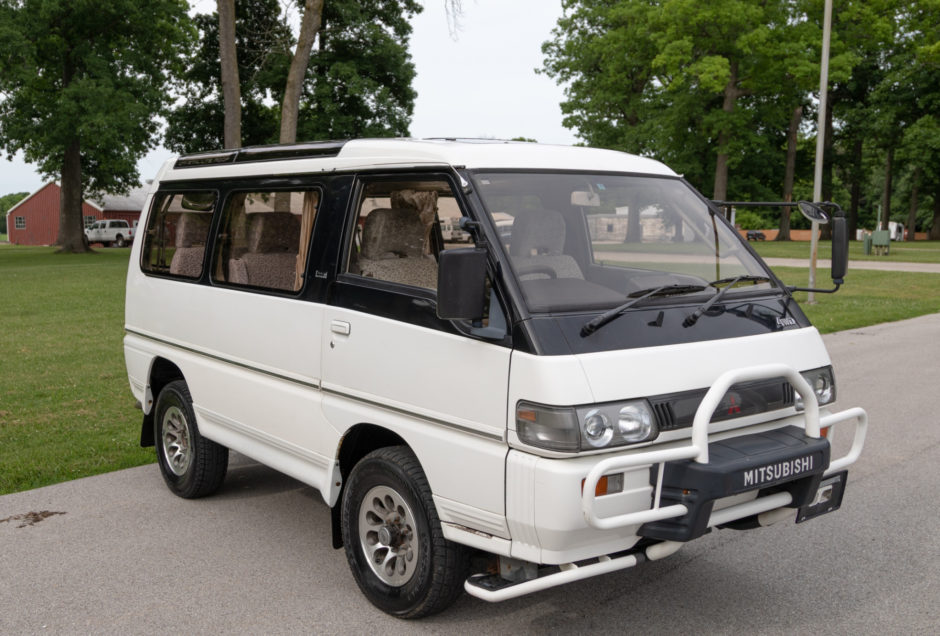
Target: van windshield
<point>580,241</point>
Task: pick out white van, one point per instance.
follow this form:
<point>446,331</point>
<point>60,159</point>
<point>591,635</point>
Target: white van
<point>608,372</point>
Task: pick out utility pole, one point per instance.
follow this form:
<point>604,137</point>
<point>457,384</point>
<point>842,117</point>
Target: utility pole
<point>820,143</point>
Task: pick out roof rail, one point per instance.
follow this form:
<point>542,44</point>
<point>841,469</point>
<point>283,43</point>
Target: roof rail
<point>253,154</point>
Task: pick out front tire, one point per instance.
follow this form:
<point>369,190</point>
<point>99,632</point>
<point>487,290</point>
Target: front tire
<point>192,466</point>
<point>393,538</point>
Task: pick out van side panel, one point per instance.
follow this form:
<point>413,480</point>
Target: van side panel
<point>252,364</point>
<point>443,393</point>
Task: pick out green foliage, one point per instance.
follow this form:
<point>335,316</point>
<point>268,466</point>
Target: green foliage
<point>684,81</point>
<point>91,73</point>
<point>65,407</point>
<point>748,219</point>
<point>358,82</point>
<point>7,201</point>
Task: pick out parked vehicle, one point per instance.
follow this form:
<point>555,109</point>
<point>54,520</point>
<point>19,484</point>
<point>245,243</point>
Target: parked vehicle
<point>756,235</point>
<point>110,231</point>
<point>607,373</point>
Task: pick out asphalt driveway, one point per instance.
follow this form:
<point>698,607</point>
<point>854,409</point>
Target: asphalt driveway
<point>119,554</point>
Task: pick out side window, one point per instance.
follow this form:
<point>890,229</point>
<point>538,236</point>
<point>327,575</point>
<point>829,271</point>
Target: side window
<point>397,235</point>
<point>89,221</point>
<point>177,232</point>
<point>264,238</point>
<point>19,222</point>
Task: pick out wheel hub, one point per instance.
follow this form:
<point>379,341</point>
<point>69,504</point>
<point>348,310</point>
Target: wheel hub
<point>388,536</point>
<point>176,441</point>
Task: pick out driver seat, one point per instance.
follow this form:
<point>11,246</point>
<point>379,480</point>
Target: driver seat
<point>537,241</point>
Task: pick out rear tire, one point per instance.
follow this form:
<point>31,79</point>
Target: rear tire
<point>120,242</point>
<point>192,466</point>
<point>393,538</point>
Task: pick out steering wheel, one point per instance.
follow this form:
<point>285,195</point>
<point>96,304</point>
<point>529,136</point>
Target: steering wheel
<point>526,270</point>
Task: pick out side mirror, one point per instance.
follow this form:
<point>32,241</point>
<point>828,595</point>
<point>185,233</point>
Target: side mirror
<point>461,284</point>
<point>840,249</point>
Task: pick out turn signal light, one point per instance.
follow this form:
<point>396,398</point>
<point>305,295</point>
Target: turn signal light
<point>607,485</point>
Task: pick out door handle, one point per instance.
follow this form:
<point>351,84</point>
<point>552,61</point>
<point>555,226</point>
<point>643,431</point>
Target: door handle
<point>341,327</point>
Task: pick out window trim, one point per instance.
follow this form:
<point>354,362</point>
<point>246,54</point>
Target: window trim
<point>357,196</point>
<point>216,232</point>
<point>146,244</point>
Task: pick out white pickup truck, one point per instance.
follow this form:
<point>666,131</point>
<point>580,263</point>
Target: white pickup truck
<point>110,231</point>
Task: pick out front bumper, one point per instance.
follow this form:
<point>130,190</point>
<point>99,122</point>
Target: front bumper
<point>684,493</point>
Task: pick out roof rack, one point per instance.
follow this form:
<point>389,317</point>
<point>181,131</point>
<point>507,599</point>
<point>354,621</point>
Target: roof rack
<point>251,154</point>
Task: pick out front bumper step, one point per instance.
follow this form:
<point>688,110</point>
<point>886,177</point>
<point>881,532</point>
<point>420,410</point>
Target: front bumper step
<point>781,460</point>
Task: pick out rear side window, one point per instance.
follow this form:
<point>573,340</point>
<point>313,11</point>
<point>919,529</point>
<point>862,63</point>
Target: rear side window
<point>177,233</point>
<point>264,239</point>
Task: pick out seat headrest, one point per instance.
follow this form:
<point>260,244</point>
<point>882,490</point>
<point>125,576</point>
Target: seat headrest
<point>391,233</point>
<point>192,229</point>
<point>273,232</point>
<point>537,232</point>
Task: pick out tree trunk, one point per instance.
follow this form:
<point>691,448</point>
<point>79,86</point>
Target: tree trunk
<point>912,214</point>
<point>886,195</point>
<point>856,189</point>
<point>231,89</point>
<point>732,92</point>
<point>935,228</point>
<point>71,225</point>
<point>290,107</point>
<point>792,133</point>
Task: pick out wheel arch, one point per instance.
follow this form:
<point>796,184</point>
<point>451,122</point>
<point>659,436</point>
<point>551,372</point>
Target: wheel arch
<point>356,443</point>
<point>162,372</point>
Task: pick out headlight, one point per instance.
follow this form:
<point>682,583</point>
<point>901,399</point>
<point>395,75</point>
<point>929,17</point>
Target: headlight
<point>587,427</point>
<point>823,383</point>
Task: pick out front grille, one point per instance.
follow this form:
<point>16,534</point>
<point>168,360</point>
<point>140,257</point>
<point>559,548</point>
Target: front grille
<point>677,410</point>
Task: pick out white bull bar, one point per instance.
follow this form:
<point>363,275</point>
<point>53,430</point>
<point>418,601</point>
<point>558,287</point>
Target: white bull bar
<point>698,450</point>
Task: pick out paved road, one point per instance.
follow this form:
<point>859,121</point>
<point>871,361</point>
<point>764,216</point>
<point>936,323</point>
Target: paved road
<point>128,557</point>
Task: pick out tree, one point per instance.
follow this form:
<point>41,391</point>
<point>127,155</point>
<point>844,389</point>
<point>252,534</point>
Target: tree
<point>695,85</point>
<point>231,88</point>
<point>356,81</point>
<point>81,82</point>
<point>7,201</point>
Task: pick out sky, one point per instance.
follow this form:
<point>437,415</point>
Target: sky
<point>479,82</point>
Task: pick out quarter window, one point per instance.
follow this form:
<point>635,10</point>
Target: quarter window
<point>177,233</point>
<point>264,238</point>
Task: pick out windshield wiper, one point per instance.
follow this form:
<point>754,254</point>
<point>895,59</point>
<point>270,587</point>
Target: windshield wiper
<point>692,318</point>
<point>663,290</point>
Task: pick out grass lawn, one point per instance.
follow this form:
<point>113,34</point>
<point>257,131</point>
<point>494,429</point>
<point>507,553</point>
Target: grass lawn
<point>913,252</point>
<point>65,407</point>
<point>869,297</point>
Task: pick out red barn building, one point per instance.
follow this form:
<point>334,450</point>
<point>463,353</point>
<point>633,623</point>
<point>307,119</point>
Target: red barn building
<point>35,219</point>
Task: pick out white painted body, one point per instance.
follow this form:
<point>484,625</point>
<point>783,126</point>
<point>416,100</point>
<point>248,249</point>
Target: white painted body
<point>282,380</point>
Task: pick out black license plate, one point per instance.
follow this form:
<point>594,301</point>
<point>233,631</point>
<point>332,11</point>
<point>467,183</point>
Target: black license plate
<point>828,497</point>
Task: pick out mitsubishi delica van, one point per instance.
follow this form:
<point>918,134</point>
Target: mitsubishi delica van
<point>605,372</point>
